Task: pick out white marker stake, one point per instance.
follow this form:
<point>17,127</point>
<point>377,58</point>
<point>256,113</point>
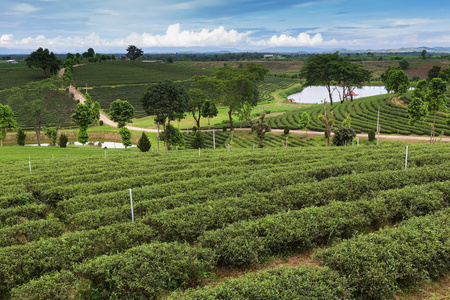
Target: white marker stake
<point>406,159</point>
<point>29,163</point>
<point>199,152</point>
<point>214,140</point>
<point>131,201</point>
<point>53,157</point>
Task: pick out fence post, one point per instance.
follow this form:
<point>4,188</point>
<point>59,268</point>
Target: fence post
<point>131,202</point>
<point>406,158</point>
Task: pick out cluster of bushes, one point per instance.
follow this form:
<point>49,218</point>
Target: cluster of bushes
<point>379,264</point>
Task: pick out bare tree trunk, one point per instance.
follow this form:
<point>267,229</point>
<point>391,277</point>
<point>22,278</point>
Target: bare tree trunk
<point>330,94</point>
<point>231,119</point>
<point>325,119</point>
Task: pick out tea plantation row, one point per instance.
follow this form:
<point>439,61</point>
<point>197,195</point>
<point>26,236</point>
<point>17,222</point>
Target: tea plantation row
<point>66,230</point>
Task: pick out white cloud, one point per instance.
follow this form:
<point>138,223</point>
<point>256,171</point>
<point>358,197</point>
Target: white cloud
<point>107,12</point>
<point>173,37</point>
<point>24,8</point>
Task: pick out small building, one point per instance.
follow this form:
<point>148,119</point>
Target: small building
<point>11,61</point>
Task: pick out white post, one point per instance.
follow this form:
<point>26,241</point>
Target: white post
<point>357,145</point>
<point>198,151</point>
<point>406,158</point>
<point>157,139</point>
<point>53,157</point>
<point>378,126</point>
<point>29,163</point>
<point>214,139</point>
<point>131,201</point>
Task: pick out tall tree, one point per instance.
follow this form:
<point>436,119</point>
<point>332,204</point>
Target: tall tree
<point>321,69</point>
<point>395,80</point>
<point>6,121</point>
<point>428,98</point>
<point>133,52</point>
<point>83,116</point>
<point>433,72</point>
<point>209,110</point>
<point>233,87</point>
<point>304,121</point>
<point>165,101</point>
<point>45,60</point>
<point>349,76</point>
<point>197,98</point>
<point>41,102</point>
<point>121,112</point>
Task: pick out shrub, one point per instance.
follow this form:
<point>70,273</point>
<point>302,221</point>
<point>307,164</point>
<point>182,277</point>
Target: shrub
<point>198,141</point>
<point>63,140</point>
<point>21,135</point>
<point>286,130</point>
<point>343,135</point>
<point>371,135</point>
<point>144,143</point>
<point>101,123</point>
<point>224,128</point>
<point>125,134</point>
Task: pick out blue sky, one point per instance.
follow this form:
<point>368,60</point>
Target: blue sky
<point>107,26</point>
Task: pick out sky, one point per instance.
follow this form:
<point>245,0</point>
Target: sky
<point>253,25</point>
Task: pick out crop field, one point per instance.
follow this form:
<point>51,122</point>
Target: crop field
<point>374,228</point>
<point>363,113</point>
<point>18,75</point>
<point>114,73</point>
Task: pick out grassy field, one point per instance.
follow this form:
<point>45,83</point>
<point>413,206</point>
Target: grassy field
<point>299,221</point>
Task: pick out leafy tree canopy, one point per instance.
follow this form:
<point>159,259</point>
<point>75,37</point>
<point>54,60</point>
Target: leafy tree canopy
<point>6,121</point>
<point>133,52</point>
<point>121,112</point>
<point>45,60</point>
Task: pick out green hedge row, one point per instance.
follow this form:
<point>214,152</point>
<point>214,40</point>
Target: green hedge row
<point>250,242</point>
<point>188,222</point>
<point>144,272</point>
<point>277,284</point>
<point>21,263</point>
<point>379,264</point>
<point>30,231</point>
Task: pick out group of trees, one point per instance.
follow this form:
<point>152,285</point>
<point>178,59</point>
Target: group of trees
<point>335,72</point>
<point>232,87</point>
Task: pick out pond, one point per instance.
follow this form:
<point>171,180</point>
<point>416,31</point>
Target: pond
<point>316,94</point>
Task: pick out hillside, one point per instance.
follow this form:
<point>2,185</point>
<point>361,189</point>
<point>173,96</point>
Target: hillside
<point>66,229</point>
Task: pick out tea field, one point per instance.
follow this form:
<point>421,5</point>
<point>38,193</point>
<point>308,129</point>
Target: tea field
<point>374,228</point>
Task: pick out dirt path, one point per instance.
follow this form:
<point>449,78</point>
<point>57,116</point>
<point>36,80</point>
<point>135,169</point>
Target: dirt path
<point>79,96</point>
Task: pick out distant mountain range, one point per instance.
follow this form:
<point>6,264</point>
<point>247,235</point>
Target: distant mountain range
<point>212,50</point>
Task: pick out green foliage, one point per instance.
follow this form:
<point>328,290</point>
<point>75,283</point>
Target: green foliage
<point>304,121</point>
<point>197,98</point>
<point>125,134</point>
<point>6,121</point>
<point>144,143</point>
<point>396,80</point>
<point>343,135</point>
<point>404,64</point>
<point>133,52</point>
<point>82,135</point>
<point>378,264</point>
<point>371,135</point>
<point>21,136</point>
<point>63,140</point>
<point>165,101</point>
<point>286,130</point>
<point>41,102</point>
<point>121,112</point>
<point>52,134</point>
<point>45,60</point>
<point>433,72</point>
<point>281,283</point>
<point>174,136</point>
<point>198,141</point>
